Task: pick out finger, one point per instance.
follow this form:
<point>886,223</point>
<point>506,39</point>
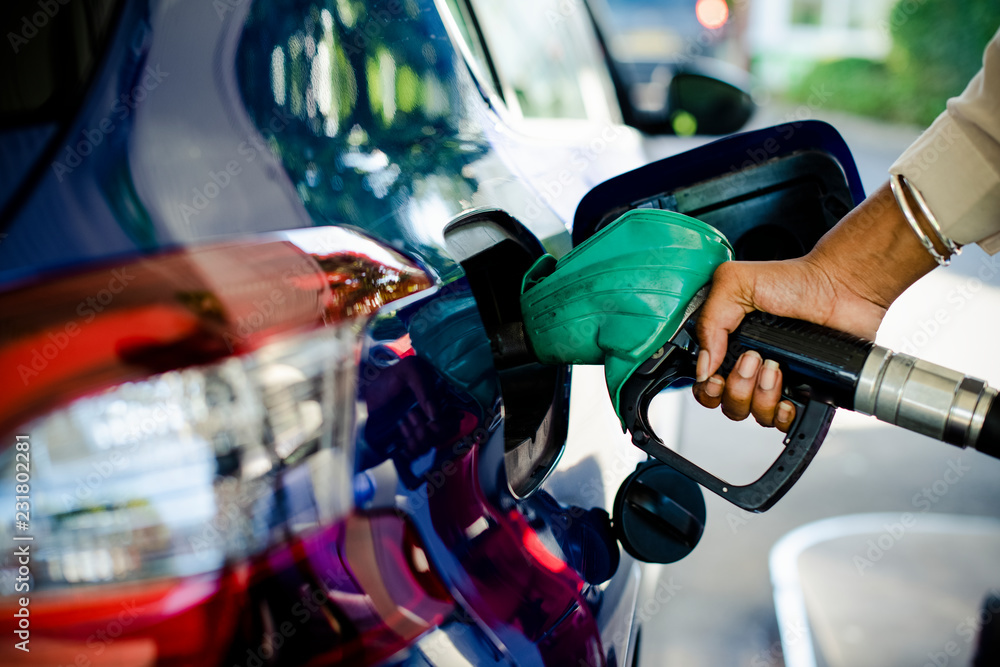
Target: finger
<point>709,393</point>
<point>767,394</point>
<point>784,416</point>
<point>720,315</point>
<point>740,386</point>
<point>718,319</point>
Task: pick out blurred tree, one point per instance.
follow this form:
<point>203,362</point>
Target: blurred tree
<point>937,47</point>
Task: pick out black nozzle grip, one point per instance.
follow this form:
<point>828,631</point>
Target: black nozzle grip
<point>989,436</point>
<point>817,362</point>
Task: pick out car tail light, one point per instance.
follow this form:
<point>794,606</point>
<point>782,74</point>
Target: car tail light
<point>167,420</point>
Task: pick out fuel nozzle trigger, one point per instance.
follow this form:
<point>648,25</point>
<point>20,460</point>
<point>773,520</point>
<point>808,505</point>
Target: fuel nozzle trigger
<point>675,362</point>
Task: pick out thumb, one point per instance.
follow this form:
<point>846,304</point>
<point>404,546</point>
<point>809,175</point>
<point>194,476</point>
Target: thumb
<point>720,315</point>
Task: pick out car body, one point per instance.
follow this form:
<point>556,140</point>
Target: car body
<point>193,148</point>
<point>252,411</point>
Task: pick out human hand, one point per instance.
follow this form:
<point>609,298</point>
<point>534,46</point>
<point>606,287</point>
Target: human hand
<point>846,282</point>
<point>801,289</point>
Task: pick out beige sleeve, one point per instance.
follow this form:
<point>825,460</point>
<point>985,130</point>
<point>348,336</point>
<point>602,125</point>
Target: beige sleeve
<point>955,164</point>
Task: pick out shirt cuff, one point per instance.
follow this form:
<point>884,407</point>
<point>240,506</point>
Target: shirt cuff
<point>961,187</point>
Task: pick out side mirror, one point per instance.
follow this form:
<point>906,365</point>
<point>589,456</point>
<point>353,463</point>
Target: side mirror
<point>699,104</point>
<point>665,99</point>
<point>697,95</point>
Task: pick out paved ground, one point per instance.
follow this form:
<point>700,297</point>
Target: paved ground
<point>911,602</point>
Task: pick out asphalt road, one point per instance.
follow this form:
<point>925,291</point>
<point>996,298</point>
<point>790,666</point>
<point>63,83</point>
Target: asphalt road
<point>899,587</point>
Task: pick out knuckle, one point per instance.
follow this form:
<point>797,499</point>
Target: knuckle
<point>740,391</point>
<point>764,403</point>
<point>724,272</point>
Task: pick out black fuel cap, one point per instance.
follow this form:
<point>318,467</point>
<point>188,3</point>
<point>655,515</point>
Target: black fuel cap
<point>659,514</point>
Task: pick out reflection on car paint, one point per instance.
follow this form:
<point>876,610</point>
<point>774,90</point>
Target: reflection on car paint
<point>377,126</point>
<point>367,115</point>
<point>509,581</point>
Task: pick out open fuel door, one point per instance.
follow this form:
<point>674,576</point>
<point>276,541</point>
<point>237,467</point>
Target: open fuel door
<point>773,192</point>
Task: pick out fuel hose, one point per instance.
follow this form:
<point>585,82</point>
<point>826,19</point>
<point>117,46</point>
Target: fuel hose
<point>852,373</point>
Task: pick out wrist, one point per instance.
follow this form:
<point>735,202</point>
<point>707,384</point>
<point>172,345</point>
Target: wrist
<point>922,221</point>
<point>873,252</point>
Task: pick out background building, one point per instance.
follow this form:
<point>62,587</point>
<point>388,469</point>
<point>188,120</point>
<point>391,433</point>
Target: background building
<point>788,37</point>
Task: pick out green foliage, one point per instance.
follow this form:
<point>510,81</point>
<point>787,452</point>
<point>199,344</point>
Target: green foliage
<point>855,84</point>
<point>937,47</point>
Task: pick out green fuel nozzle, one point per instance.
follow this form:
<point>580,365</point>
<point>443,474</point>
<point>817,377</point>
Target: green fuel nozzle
<point>622,295</point>
<point>627,298</point>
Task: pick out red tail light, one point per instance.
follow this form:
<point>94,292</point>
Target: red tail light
<point>160,408</point>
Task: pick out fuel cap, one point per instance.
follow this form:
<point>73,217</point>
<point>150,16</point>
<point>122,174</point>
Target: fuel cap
<point>659,514</point>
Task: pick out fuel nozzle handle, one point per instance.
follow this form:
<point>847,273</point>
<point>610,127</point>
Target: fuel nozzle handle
<point>819,363</point>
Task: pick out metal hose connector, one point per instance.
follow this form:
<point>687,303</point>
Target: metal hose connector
<point>923,397</point>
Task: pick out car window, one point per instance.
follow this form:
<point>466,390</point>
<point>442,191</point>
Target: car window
<point>547,57</point>
<point>471,35</point>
